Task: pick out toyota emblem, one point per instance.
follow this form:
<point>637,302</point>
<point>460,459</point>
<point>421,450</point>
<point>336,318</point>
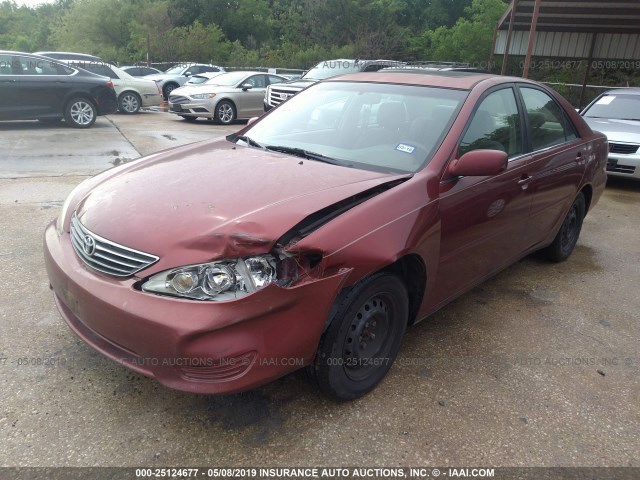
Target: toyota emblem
<point>89,245</point>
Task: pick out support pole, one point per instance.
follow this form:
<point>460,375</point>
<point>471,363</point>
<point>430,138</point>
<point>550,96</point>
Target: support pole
<point>532,38</point>
<point>587,71</point>
<point>507,45</point>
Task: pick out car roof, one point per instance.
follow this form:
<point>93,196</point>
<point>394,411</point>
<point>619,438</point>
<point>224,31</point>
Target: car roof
<point>442,78</point>
<point>623,91</point>
<point>78,55</point>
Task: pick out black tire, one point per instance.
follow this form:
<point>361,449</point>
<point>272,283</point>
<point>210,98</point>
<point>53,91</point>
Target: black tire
<point>167,89</point>
<point>188,119</point>
<point>363,339</point>
<point>80,113</point>
<point>565,241</point>
<point>225,112</point>
<point>129,102</point>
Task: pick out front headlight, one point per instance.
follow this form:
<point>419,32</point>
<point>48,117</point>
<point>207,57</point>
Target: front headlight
<point>223,280</point>
<point>65,209</point>
<point>202,96</point>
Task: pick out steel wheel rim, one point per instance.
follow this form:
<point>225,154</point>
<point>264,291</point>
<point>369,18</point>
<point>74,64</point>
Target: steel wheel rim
<point>368,337</point>
<point>569,228</point>
<point>130,103</point>
<point>82,113</point>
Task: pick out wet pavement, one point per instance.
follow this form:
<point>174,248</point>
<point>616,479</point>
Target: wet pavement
<point>538,366</point>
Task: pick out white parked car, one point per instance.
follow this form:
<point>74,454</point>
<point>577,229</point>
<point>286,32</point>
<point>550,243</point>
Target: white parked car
<point>133,93</point>
<point>178,75</point>
<point>616,113</point>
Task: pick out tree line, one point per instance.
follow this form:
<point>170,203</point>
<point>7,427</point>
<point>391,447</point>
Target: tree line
<point>269,33</point>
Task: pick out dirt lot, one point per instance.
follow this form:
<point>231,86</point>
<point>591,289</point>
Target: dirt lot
<point>537,367</point>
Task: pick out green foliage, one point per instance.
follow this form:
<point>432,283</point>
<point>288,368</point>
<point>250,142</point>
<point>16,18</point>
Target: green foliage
<point>275,33</point>
<point>470,39</point>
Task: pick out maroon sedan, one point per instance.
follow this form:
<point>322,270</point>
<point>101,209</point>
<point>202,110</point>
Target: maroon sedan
<point>317,234</point>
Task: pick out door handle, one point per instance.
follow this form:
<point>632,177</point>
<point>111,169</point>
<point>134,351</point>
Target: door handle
<point>525,180</point>
<point>579,159</point>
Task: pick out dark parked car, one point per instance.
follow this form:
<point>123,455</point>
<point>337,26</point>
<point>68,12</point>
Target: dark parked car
<point>317,234</point>
<point>34,87</point>
<point>70,56</point>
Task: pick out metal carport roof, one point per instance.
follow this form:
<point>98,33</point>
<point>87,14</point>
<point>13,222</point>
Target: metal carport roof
<point>591,29</point>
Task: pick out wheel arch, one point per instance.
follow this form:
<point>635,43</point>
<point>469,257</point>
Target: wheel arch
<point>83,95</point>
<point>412,270</point>
<point>587,191</point>
<point>130,90</point>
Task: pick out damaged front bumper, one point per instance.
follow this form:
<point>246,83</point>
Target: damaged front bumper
<point>194,346</point>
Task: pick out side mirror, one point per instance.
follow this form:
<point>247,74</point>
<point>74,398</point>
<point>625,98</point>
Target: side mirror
<point>246,86</point>
<point>187,74</point>
<point>479,163</point>
<point>251,120</point>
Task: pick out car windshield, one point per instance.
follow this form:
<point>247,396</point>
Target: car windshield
<point>619,107</point>
<point>331,68</point>
<point>227,79</point>
<point>175,70</point>
<point>380,127</point>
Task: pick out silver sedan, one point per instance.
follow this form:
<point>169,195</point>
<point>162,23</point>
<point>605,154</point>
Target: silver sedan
<point>616,113</point>
<point>225,98</point>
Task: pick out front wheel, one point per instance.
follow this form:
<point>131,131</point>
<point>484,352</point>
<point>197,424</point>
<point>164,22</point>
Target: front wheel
<point>363,339</point>
<point>168,88</point>
<point>80,113</point>
<point>129,102</point>
<point>188,119</point>
<point>225,112</point>
<point>566,239</point>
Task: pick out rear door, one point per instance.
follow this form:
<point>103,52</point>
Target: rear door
<point>249,101</point>
<point>9,102</point>
<point>556,166</point>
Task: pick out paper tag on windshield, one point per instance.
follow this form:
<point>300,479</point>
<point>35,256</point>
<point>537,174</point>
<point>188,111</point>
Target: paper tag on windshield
<point>606,100</point>
<point>405,148</point>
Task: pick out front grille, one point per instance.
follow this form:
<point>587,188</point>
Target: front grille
<point>105,256</point>
<point>277,95</point>
<point>212,371</point>
<point>617,168</point>
<point>178,99</point>
<point>623,148</point>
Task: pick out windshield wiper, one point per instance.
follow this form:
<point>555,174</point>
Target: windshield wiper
<point>301,152</point>
<point>250,141</point>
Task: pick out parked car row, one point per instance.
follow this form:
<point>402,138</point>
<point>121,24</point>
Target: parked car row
<point>51,86</point>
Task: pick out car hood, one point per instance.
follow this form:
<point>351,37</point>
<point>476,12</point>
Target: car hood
<point>299,83</point>
<point>616,130</point>
<point>215,200</point>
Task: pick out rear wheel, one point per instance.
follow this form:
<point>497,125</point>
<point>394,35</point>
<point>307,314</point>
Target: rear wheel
<point>565,241</point>
<point>129,102</point>
<point>363,339</point>
<point>80,113</point>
